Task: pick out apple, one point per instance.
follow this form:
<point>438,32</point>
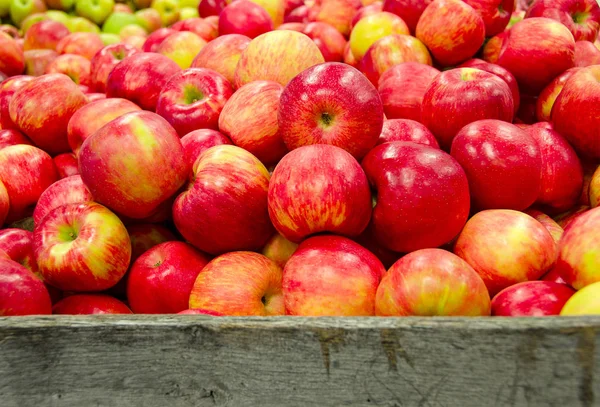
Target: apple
<point>300,14</point>
<point>531,299</point>
<point>96,11</point>
<point>152,72</point>
<point>496,14</point>
<point>584,302</point>
<point>432,282</point>
<point>21,292</point>
<point>548,95</point>
<point>372,28</point>
<point>533,63</point>
<point>20,9</point>
<point>12,60</point>
<point>506,247</point>
<point>26,172</point>
<point>193,99</point>
<point>149,19</point>
<point>349,57</point>
<point>200,311</point>
<point>402,88</point>
<point>566,218</point>
<point>208,8</point>
<point>133,164</point>
<point>338,13</point>
<point>65,191</point>
<point>328,39</point>
<point>421,196</point>
<point>331,276</point>
<point>461,96</point>
<point>581,17</point>
<point>275,9</point>
<point>90,304</point>
<point>390,51</point>
<point>249,119</point>
<point>293,51</point>
<point>576,112</point>
<point>45,35</point>
<point>105,60</point>
<point>10,137</point>
<point>60,4</point>
<point>198,26</point>
<point>92,97</point>
<point>554,276</point>
<point>17,244</point>
<point>74,66</point>
<point>169,11</point>
<point>295,27</point>
<point>452,30</point>
<point>406,130</point>
<point>58,15</point>
<point>188,12</point>
<point>42,110</point>
<point>331,103</point>
<point>409,10</point>
<point>37,60</point>
<point>86,44</point>
<point>368,10</point>
<point>91,117</point>
<point>66,165</point>
<point>31,20</point>
<point>11,30</point>
<point>82,247</point>
<point>156,38</point>
<point>81,24</point>
<point>594,189</point>
<point>279,249</point>
<point>222,55</point>
<point>181,47</point>
<point>586,54</point>
<point>198,141</point>
<point>556,231</point>
<point>123,8</point>
<point>115,22</point>
<point>319,188</point>
<point>133,31</point>
<point>144,236</point>
<point>246,18</point>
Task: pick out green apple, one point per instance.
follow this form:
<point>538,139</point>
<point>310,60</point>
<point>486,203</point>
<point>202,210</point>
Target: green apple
<point>189,3</point>
<point>149,19</point>
<point>58,15</point>
<point>108,39</point>
<point>64,5</point>
<point>82,24</point>
<point>188,12</point>
<point>4,8</point>
<point>20,9</point>
<point>95,10</point>
<point>116,21</point>
<point>169,11</point>
<point>31,20</point>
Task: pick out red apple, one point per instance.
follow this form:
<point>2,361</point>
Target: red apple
<point>37,60</point>
<point>402,88</point>
<point>249,119</point>
<point>556,231</point>
<point>239,284</point>
<point>152,72</point>
<point>368,240</point>
<point>531,299</point>
<point>145,236</point>
<point>349,57</point>
<point>42,110</point>
<point>301,14</point>
<point>222,55</point>
<point>193,99</point>
<point>409,10</point>
<point>44,34</point>
<point>225,207</point>
<point>93,96</point>
<point>161,280</point>
<point>576,112</point>
<point>496,14</point>
<point>200,311</point>
<point>581,17</point>
<point>337,13</point>
<point>156,38</point>
<point>534,63</point>
<point>7,90</point>
<point>279,249</point>
<point>547,97</point>
<point>75,67</point>
<point>331,276</point>
<point>17,244</point>
<point>328,39</point>
<point>86,44</point>
<point>586,54</point>
<point>319,188</point>
<point>331,103</point>
<point>181,47</point>
<point>87,120</point>
<point>368,10</point>
<point>66,165</point>
<point>89,304</point>
<point>66,191</point>
<point>422,196</point>
<point>198,141</point>
<point>566,218</point>
<point>406,130</point>
<point>208,8</point>
<point>461,96</point>
<point>246,18</point>
<point>432,282</point>
<point>198,26</point>
<point>506,247</point>
<point>554,276</point>
<point>21,292</point>
<point>10,137</point>
<point>372,28</point>
<point>133,164</point>
<point>594,189</point>
<point>12,60</point>
<point>82,247</point>
<point>4,203</point>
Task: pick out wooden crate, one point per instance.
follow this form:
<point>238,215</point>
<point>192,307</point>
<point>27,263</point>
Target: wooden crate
<point>172,361</point>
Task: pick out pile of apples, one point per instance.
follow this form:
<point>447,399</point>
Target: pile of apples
<point>288,157</point>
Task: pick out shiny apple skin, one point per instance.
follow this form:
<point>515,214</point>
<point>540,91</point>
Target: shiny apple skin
<point>222,55</point>
<point>406,130</point>
<point>550,224</point>
<point>409,10</point>
<point>279,249</point>
<point>245,18</point>
<point>567,12</point>
<point>18,245</point>
<point>531,299</point>
<point>21,292</point>
<point>105,60</point>
<point>548,95</point>
<point>66,165</point>
<point>65,191</point>
<point>90,304</point>
<point>329,40</point>
<point>11,137</point>
<point>196,142</point>
<point>7,90</point>
<point>495,13</point>
<point>75,67</point>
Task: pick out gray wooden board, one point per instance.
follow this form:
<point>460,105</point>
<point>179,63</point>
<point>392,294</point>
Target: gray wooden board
<point>172,361</point>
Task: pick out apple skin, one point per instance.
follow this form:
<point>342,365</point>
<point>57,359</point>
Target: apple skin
<point>586,54</point>
<point>566,218</point>
<point>12,60</point>
<point>562,173</point>
<point>502,162</point>
<point>21,292</point>
<point>448,41</point>
<point>208,8</point>
<point>66,191</point>
<point>86,44</point>
<point>66,165</point>
<point>331,276</point>
<point>556,231</point>
<point>17,244</point>
<point>294,52</point>
<point>594,189</point>
<point>581,17</point>
<point>576,112</point>
<point>406,130</point>
<point>239,284</point>
<point>75,67</point>
<point>390,51</point>
<point>144,236</point>
<point>249,119</point>
<point>279,249</point>
<point>169,11</point>
<point>461,96</point>
<point>402,88</point>
<point>300,15</point>
<point>409,10</point>
<point>368,10</point>
<point>372,28</point>
<point>156,38</point>
<point>554,276</point>
<point>181,47</point>
<point>26,172</point>
<point>95,11</point>
<point>19,10</point>
<point>45,35</point>
<point>337,13</point>
<point>319,188</point>
<point>82,247</point>
<point>198,141</point>
<point>4,203</point>
<point>10,137</point>
<point>506,247</point>
<point>193,99</point>
<point>161,279</point>
<point>42,110</point>
<point>200,311</point>
<point>36,61</point>
<point>432,282</point>
<point>151,71</point>
<point>149,19</point>
<point>331,103</point>
<point>91,117</point>
<point>222,55</point>
<point>584,302</point>
<point>225,208</point>
<point>496,14</point>
<point>246,18</point>
<point>328,39</point>
<point>105,60</point>
<point>531,299</point>
<point>133,164</point>
<point>349,57</point>
<point>90,304</point>
<point>198,26</point>
<point>533,63</point>
<point>548,95</point>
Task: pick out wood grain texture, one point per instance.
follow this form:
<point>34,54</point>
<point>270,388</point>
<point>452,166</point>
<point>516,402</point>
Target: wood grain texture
<point>172,361</point>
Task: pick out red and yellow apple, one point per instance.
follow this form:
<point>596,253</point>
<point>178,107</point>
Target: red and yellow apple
<point>531,299</point>
<point>584,302</point>
<point>90,304</point>
<point>374,27</point>
<point>198,141</point>
<point>222,55</point>
<point>21,292</point>
<point>406,130</point>
<point>181,47</point>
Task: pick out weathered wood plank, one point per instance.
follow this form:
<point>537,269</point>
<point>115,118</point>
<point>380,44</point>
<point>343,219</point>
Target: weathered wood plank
<point>167,361</point>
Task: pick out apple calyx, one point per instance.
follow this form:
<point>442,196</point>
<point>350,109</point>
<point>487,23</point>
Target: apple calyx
<point>192,95</point>
<point>68,233</point>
